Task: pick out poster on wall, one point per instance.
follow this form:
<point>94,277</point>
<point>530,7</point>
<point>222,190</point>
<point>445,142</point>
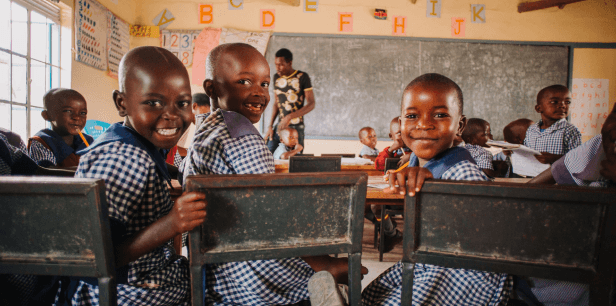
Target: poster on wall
<point>590,105</point>
<point>118,33</point>
<point>257,39</point>
<point>91,33</point>
<point>180,43</point>
<point>205,42</point>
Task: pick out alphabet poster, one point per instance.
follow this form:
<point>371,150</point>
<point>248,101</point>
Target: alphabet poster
<point>180,43</point>
<point>91,33</point>
<point>590,105</point>
<point>117,42</point>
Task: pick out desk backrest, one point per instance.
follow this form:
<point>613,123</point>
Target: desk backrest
<point>55,226</point>
<point>314,164</point>
<point>346,155</point>
<point>554,232</point>
<point>391,163</point>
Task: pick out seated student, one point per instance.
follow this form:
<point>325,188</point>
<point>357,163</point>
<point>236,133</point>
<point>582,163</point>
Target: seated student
<point>367,136</point>
<point>14,139</point>
<point>397,149</point>
<point>289,145</point>
<point>14,159</point>
<point>67,111</point>
<point>200,105</point>
<point>591,164</point>
<point>431,117</point>
<point>226,142</point>
<point>514,133</point>
<point>476,134</point>
<point>154,99</point>
<point>553,136</point>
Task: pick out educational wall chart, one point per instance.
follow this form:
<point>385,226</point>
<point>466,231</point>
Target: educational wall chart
<point>117,42</point>
<point>144,31</point>
<point>257,39</point>
<point>205,42</point>
<point>590,105</point>
<point>180,43</point>
<point>91,33</point>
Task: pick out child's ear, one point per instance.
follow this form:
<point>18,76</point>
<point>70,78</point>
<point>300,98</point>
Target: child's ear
<point>45,115</point>
<point>538,108</point>
<point>461,125</point>
<point>119,101</point>
<point>210,91</point>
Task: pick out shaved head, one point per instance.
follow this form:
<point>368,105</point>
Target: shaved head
<point>515,131</point>
<point>237,49</point>
<point>56,96</point>
<point>438,80</point>
<point>146,59</point>
<point>473,127</point>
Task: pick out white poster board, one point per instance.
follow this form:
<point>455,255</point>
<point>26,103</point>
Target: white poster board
<point>91,33</point>
<point>589,105</point>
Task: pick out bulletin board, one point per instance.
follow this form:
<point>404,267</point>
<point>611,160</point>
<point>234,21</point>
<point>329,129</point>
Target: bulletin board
<point>91,33</point>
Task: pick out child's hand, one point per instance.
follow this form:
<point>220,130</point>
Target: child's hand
<point>284,122</point>
<point>404,159</point>
<point>547,158</point>
<point>269,135</point>
<point>188,211</point>
<point>410,179</point>
<point>298,147</point>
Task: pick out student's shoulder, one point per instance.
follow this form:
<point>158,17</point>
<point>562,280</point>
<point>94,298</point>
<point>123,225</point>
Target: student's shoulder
<point>464,170</point>
<point>118,152</point>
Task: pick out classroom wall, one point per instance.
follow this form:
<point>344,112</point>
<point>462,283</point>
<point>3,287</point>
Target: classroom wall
<point>588,21</point>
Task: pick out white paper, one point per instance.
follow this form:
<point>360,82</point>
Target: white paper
<point>356,161</point>
<point>502,144</point>
<point>524,162</point>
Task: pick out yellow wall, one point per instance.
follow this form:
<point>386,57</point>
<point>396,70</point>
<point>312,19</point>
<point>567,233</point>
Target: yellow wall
<point>588,21</point>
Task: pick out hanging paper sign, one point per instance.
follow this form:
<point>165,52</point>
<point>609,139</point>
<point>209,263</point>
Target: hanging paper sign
<point>399,25</point>
<point>433,9</point>
<point>345,22</point>
<point>117,42</point>
<point>91,33</point>
<point>163,19</point>
<point>145,31</point>
<point>256,39</point>
<point>458,26</point>
<point>590,105</point>
<point>204,43</point>
<point>236,4</point>
<point>479,13</point>
<point>180,43</point>
<point>311,6</point>
<point>268,19</point>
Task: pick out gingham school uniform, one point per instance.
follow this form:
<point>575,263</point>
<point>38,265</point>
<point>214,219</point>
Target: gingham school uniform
<point>559,138</point>
<point>137,195</point>
<point>366,150</point>
<point>58,150</point>
<point>227,143</point>
<point>14,160</point>
<point>483,158</point>
<point>581,166</point>
<point>435,285</point>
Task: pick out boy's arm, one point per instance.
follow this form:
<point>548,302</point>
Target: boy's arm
<point>544,177</point>
<point>410,179</point>
<point>308,107</point>
<point>269,134</point>
<point>548,158</point>
<point>370,157</point>
<point>40,154</point>
<point>379,161</point>
<point>286,155</point>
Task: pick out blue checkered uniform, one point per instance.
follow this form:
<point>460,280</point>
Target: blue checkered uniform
<point>559,138</point>
<point>439,286</point>
<point>14,160</point>
<point>366,150</point>
<point>41,155</point>
<point>137,196</point>
<point>483,158</point>
<point>227,143</point>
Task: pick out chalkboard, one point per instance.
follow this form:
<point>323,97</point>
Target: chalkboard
<point>358,81</point>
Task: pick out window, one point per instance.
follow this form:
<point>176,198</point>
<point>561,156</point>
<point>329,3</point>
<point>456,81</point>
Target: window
<point>29,62</point>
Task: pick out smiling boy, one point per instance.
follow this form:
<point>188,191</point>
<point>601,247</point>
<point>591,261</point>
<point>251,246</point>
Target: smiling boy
<point>431,117</point>
<point>553,136</point>
<point>67,111</point>
<point>289,145</point>
<point>226,142</point>
<point>154,99</point>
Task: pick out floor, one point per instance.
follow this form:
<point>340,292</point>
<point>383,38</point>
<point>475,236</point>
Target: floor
<point>370,255</point>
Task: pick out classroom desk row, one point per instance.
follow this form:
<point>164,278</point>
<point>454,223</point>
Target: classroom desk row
<point>284,168</point>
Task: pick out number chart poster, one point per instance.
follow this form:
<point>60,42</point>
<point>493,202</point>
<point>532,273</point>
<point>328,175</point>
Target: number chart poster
<point>180,43</point>
<point>590,105</point>
<point>117,42</point>
<point>91,33</point>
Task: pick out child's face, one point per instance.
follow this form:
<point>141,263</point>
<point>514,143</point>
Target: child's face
<point>289,138</point>
<point>608,133</point>
<point>369,138</point>
<point>395,133</point>
<point>157,104</point>
<point>483,136</point>
<point>242,84</point>
<point>430,119</point>
<point>69,116</point>
<point>554,105</point>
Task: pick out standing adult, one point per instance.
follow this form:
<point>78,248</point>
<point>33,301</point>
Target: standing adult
<point>294,99</point>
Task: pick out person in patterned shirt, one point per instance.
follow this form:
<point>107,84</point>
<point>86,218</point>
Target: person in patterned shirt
<point>226,142</point>
<point>431,117</point>
<point>294,99</point>
<point>476,135</point>
<point>553,136</point>
<point>154,99</point>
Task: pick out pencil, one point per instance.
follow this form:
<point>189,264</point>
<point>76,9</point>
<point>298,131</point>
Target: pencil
<point>83,138</point>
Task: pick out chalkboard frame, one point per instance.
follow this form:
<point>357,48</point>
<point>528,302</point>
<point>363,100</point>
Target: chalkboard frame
<point>571,45</point>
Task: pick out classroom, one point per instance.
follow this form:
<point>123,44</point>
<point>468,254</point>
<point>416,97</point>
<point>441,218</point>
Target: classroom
<point>352,87</point>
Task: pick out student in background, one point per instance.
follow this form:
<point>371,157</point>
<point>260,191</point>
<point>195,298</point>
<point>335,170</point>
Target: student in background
<point>14,140</point>
<point>67,111</point>
<point>397,149</point>
<point>591,164</point>
<point>154,99</point>
<point>476,135</point>
<point>367,136</point>
<point>553,136</point>
<point>289,145</point>
<point>226,142</point>
<point>431,117</point>
<point>200,105</point>
<point>514,133</point>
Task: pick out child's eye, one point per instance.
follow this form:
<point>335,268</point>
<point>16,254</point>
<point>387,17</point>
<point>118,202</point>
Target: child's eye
<point>568,102</point>
<point>410,116</point>
<point>153,103</point>
<point>83,113</point>
<point>183,104</point>
<point>244,82</point>
<point>265,84</point>
<point>441,115</point>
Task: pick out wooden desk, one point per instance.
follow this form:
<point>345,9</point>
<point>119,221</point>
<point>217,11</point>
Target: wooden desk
<point>284,168</point>
<point>376,196</point>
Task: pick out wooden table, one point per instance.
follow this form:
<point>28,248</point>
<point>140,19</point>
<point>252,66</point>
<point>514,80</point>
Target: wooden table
<point>284,168</point>
<point>376,196</point>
